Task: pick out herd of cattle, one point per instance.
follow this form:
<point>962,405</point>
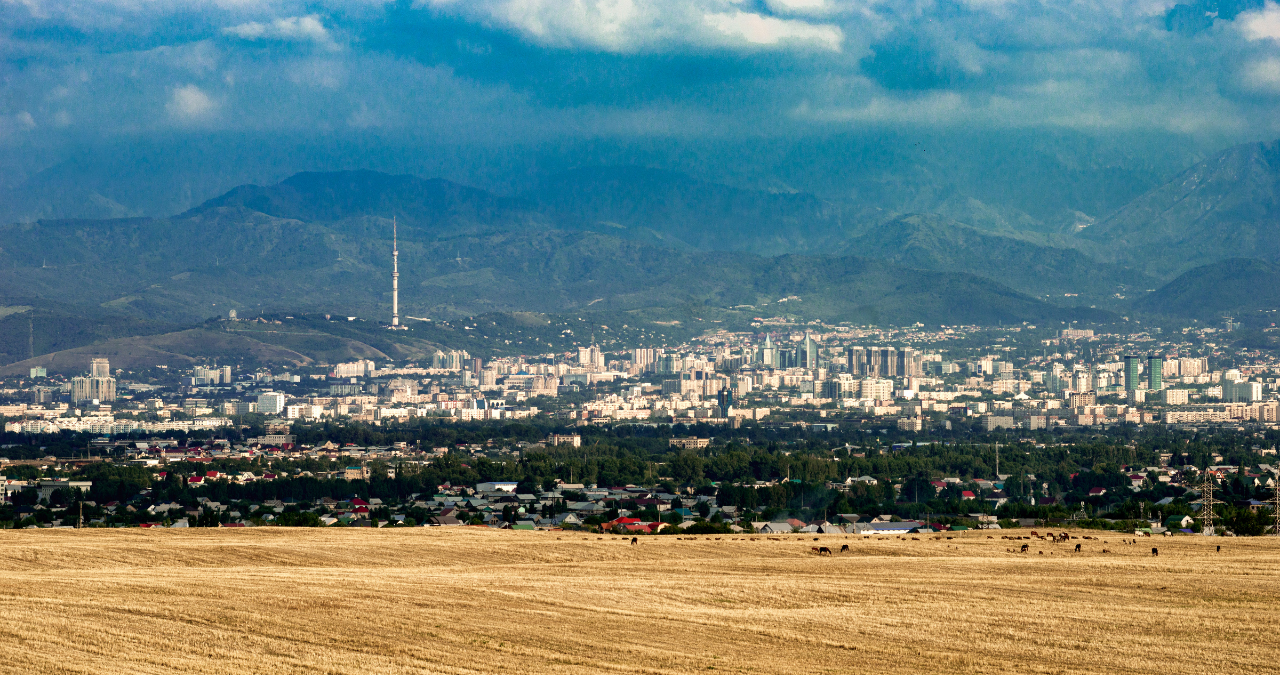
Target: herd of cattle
<point>1025,548</point>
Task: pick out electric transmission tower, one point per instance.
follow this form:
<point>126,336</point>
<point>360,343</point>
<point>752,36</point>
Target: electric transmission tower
<point>1275,507</point>
<point>1206,502</point>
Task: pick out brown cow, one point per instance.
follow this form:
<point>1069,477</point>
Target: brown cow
<point>824,550</point>
<point>844,549</point>
<point>635,540</point>
<point>1025,547</point>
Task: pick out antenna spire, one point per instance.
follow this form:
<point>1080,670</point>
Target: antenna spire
<point>395,274</point>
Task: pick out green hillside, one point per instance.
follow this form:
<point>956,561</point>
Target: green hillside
<point>1247,289</point>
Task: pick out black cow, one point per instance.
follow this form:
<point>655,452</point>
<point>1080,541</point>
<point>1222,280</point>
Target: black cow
<point>824,550</point>
<point>635,540</point>
<point>1155,551</point>
<point>844,549</point>
<point>1077,548</point>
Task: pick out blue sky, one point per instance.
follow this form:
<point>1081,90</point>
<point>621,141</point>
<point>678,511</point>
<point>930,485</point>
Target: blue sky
<point>79,72</point>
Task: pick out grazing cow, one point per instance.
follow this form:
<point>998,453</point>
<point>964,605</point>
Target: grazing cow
<point>1155,551</point>
<point>990,537</point>
<point>1219,549</point>
<point>815,538</point>
<point>824,550</point>
<point>1106,550</point>
<point>1065,536</point>
<point>1025,547</point>
<point>1034,533</point>
<point>844,549</point>
<point>1077,548</point>
<point>813,548</point>
<point>635,540</point>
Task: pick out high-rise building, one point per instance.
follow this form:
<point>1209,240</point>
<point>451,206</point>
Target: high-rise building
<point>93,389</point>
<point>1155,372</point>
<point>767,356</point>
<point>857,358</point>
<point>270,402</point>
<point>99,386</point>
<point>1242,391</point>
<point>876,389</point>
<point>888,363</point>
<point>910,363</point>
<point>724,398</point>
<point>1132,371</point>
<point>808,355</point>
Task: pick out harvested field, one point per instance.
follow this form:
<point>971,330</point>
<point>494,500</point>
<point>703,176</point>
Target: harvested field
<point>466,600</point>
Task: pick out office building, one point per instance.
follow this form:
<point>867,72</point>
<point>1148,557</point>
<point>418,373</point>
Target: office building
<point>876,389</point>
<point>724,398</point>
<point>856,357</point>
<point>1132,372</point>
<point>1242,392</point>
<point>270,402</point>
<point>808,355</point>
<point>767,355</point>
<point>1155,372</point>
<point>99,386</point>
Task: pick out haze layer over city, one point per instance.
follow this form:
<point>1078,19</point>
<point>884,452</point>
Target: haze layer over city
<point>665,335</point>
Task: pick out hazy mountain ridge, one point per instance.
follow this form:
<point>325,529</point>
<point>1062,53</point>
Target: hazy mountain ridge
<point>1239,287</point>
<point>630,239</point>
<point>1227,206</point>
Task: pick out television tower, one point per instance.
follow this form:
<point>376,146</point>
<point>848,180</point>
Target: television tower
<point>395,276</point>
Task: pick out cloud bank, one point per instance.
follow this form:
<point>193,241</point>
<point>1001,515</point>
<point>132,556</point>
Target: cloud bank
<point>518,70</point>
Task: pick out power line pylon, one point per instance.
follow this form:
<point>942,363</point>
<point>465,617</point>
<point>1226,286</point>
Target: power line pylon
<point>1206,502</point>
<point>1275,505</point>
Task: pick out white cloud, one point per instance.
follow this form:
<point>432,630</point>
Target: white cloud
<point>809,7</point>
<point>646,25</point>
<point>1263,24</point>
<point>292,29</point>
<point>11,125</point>
<point>1263,76</point>
<point>767,30</point>
<point>188,104</point>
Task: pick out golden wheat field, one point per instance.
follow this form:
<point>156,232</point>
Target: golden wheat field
<point>466,600</point>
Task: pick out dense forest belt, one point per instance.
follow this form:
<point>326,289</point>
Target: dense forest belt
<point>472,600</point>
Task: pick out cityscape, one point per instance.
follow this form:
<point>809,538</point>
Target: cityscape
<point>666,337</point>
<point>866,417</point>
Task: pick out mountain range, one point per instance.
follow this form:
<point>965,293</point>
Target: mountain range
<point>642,240</point>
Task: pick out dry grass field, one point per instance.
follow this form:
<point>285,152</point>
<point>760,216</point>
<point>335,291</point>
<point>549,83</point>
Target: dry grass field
<point>464,600</point>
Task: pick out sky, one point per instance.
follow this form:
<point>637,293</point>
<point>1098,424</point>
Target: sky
<point>89,73</point>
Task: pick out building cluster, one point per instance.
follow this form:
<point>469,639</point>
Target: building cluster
<point>628,509</point>
<point>911,377</point>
